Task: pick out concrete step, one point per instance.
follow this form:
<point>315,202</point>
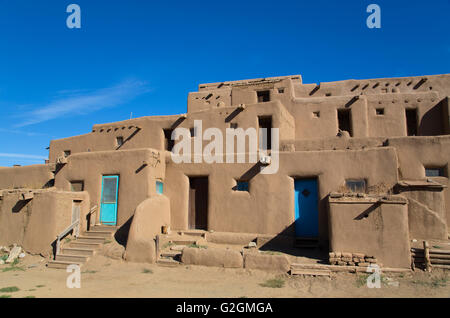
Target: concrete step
<point>90,239</point>
<point>72,258</point>
<point>167,262</point>
<point>77,251</point>
<point>77,244</point>
<point>105,234</point>
<point>62,264</point>
<point>310,272</point>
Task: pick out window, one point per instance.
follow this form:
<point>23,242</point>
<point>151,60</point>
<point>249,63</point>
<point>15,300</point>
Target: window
<point>435,171</point>
<point>241,186</point>
<point>380,111</point>
<point>281,91</point>
<point>119,141</point>
<point>356,185</point>
<point>266,122</point>
<point>77,186</point>
<point>411,121</point>
<point>233,125</point>
<point>344,120</point>
<point>67,153</point>
<point>168,142</point>
<point>159,187</point>
<point>316,114</point>
<point>263,96</point>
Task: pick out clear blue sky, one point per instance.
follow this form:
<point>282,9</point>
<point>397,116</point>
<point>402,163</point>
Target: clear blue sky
<point>145,56</point>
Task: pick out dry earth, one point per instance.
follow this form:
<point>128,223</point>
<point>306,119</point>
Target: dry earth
<point>105,277</point>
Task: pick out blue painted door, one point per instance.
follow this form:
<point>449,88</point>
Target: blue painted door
<point>306,208</point>
<point>108,208</point>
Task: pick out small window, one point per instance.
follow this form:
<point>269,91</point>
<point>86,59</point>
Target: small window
<point>316,114</point>
<point>241,186</point>
<point>159,187</point>
<point>233,125</point>
<point>356,185</point>
<point>168,141</point>
<point>435,172</point>
<point>119,141</point>
<point>380,111</point>
<point>77,186</point>
<point>281,91</point>
<point>263,96</point>
<point>67,153</point>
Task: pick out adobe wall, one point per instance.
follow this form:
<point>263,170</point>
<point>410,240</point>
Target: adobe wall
<point>379,229</point>
<point>414,153</point>
<point>137,180</point>
<point>34,224</point>
<point>269,206</point>
<point>34,177</point>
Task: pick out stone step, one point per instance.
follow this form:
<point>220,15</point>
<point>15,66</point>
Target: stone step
<point>77,251</point>
<point>90,239</point>
<point>105,234</point>
<point>310,272</point>
<point>72,258</point>
<point>62,264</point>
<point>167,262</point>
<point>77,244</point>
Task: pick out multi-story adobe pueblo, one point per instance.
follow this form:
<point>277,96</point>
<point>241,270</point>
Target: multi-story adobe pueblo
<point>362,167</point>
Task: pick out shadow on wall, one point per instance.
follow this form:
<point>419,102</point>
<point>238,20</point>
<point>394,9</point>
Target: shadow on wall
<point>20,205</point>
<point>121,235</point>
<point>432,123</point>
<point>284,242</point>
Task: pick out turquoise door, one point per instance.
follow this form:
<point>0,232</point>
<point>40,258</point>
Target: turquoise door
<point>108,208</point>
<point>306,208</point>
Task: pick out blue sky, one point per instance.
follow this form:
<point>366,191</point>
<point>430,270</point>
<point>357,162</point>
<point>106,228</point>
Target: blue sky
<point>145,56</point>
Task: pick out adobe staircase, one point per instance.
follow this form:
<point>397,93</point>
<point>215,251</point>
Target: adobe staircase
<point>172,245</point>
<point>81,249</point>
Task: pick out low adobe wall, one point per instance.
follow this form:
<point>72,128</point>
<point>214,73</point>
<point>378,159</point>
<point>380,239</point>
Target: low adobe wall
<point>35,223</point>
<point>371,226</point>
<point>32,177</point>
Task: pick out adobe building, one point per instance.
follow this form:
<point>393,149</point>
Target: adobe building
<point>362,168</point>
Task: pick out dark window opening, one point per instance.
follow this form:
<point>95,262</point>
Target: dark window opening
<point>344,120</point>
<point>168,142</point>
<point>266,122</point>
<point>356,185</point>
<point>263,96</point>
<point>281,91</point>
<point>67,153</point>
<point>380,111</point>
<point>192,131</point>
<point>77,186</point>
<point>233,125</point>
<point>119,141</point>
<point>242,186</point>
<point>411,121</point>
<point>316,114</point>
<point>435,172</point>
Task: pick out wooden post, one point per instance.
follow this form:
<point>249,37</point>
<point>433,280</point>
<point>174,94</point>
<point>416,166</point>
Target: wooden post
<point>426,255</point>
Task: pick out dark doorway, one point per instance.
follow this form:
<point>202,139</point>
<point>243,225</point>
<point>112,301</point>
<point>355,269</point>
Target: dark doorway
<point>411,121</point>
<point>263,96</point>
<point>198,203</point>
<point>168,142</point>
<point>345,121</point>
<point>266,122</point>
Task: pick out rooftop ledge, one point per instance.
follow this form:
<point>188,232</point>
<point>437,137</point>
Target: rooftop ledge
<point>363,198</point>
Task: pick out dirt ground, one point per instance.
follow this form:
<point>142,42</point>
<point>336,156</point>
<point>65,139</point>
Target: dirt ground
<point>105,277</point>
